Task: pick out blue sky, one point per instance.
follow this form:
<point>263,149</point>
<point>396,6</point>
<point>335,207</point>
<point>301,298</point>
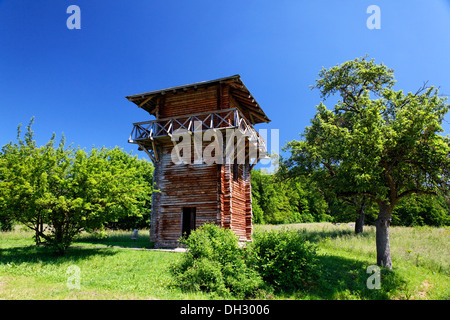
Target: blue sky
<point>75,81</point>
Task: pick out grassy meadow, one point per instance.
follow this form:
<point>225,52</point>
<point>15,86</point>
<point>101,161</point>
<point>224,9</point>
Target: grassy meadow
<point>116,267</point>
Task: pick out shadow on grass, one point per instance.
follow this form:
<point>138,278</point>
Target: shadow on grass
<point>316,236</point>
<point>38,254</point>
<point>342,278</point>
<point>120,240</point>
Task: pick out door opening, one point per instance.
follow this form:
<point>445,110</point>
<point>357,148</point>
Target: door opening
<point>188,221</point>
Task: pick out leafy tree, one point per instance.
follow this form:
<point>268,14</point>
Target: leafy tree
<point>271,204</point>
<point>376,142</point>
<point>345,210</point>
<point>359,204</point>
<point>59,192</point>
<point>420,210</point>
<point>277,200</point>
<point>6,221</point>
<point>143,175</point>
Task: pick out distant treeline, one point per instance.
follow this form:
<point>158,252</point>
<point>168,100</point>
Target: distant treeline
<point>277,200</point>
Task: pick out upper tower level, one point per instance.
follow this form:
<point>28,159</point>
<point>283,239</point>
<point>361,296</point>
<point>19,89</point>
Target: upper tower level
<point>213,95</point>
<point>219,104</point>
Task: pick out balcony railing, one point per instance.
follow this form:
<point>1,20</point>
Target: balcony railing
<point>219,120</point>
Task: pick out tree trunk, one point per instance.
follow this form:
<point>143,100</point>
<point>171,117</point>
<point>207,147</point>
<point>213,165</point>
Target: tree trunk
<point>382,236</point>
<point>359,223</point>
<point>37,237</point>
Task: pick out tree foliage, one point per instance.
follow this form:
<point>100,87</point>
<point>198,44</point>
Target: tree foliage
<point>276,200</point>
<point>59,191</point>
<point>421,210</point>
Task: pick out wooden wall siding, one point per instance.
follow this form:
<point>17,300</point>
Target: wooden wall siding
<point>186,185</point>
<point>225,190</point>
<point>194,101</point>
<point>248,202</point>
<point>240,203</point>
<point>212,189</point>
<point>236,211</point>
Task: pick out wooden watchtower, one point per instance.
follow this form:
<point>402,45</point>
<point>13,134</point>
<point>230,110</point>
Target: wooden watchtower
<point>196,192</point>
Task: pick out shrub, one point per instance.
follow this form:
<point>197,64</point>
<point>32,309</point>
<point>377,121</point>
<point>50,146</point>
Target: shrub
<point>282,260</point>
<point>285,259</point>
<point>215,263</point>
<point>202,274</point>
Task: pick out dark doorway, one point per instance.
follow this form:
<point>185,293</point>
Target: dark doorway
<point>188,223</point>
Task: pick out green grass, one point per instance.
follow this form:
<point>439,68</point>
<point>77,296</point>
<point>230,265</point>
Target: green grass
<point>30,272</point>
<point>421,262</point>
<point>118,238</point>
<point>421,266</point>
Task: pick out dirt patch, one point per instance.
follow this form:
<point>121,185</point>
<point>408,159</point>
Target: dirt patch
<point>3,282</point>
<point>425,287</point>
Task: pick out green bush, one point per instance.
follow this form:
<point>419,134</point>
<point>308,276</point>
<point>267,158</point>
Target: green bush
<point>215,263</point>
<point>202,274</point>
<point>280,260</point>
<point>285,259</point>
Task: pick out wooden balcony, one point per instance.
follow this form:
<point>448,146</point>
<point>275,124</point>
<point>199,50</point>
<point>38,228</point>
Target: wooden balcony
<point>147,132</point>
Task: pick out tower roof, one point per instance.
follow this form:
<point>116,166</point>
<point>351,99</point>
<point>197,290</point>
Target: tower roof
<point>148,100</point>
